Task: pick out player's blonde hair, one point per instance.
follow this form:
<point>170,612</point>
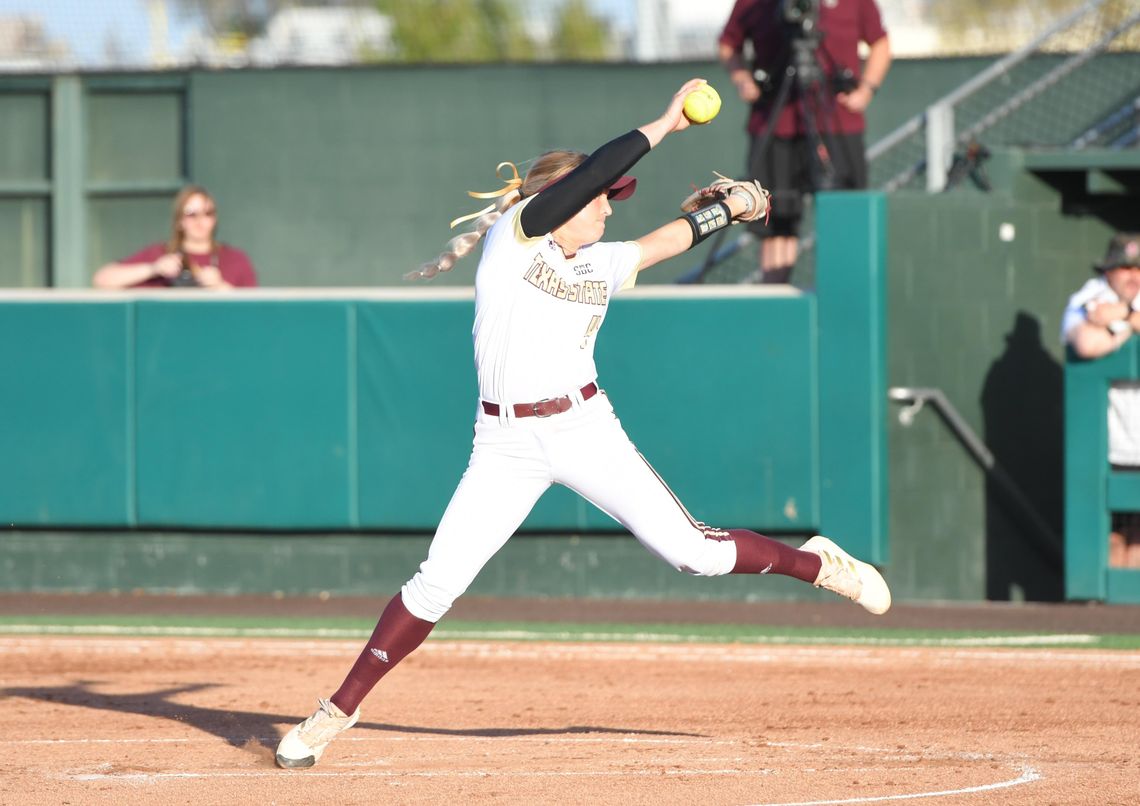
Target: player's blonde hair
<point>544,170</point>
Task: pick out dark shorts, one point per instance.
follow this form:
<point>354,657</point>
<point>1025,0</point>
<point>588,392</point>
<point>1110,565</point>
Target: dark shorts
<point>784,169</point>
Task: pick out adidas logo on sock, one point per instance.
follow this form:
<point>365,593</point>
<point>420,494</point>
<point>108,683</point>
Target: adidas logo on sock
<point>380,654</point>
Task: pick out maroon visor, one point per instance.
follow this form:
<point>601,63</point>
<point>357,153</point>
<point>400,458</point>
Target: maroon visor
<point>622,189</point>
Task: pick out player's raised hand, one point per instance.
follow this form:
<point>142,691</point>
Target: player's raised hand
<point>673,119</point>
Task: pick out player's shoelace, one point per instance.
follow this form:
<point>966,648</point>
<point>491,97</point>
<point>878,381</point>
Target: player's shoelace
<point>322,726</point>
<point>840,575</point>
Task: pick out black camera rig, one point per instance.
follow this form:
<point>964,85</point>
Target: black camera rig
<point>803,14</point>
<point>800,21</point>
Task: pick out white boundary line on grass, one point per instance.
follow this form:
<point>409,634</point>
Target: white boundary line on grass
<point>152,631</point>
<point>539,650</point>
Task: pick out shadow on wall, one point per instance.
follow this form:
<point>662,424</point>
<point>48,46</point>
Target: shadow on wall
<point>1022,403</point>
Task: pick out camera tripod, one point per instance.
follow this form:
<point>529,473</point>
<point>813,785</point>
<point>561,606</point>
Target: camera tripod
<point>806,78</point>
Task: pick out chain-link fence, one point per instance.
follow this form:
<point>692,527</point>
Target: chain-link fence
<point>1075,85</point>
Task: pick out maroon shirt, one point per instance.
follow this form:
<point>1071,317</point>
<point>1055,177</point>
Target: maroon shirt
<point>234,264</point>
<point>843,24</point>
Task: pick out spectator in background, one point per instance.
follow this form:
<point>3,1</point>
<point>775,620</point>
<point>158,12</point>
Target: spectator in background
<point>191,257</point>
<point>1098,320</point>
<point>780,155</point>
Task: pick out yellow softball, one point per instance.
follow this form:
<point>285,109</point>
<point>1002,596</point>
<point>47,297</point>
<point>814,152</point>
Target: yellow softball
<point>702,104</point>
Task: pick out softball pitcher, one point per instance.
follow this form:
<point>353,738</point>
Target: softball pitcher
<point>542,290</point>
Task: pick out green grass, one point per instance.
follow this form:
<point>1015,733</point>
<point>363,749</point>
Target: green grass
<point>359,629</point>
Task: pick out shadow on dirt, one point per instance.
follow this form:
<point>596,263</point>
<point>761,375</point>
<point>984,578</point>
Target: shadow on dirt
<point>245,728</point>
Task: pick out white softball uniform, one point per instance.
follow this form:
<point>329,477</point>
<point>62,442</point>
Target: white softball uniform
<point>537,317</point>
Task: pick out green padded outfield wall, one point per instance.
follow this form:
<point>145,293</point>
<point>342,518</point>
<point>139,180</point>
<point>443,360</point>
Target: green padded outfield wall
<point>284,411</point>
<point>67,414</point>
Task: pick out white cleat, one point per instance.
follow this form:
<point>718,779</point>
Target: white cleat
<point>304,744</point>
<point>843,574</point>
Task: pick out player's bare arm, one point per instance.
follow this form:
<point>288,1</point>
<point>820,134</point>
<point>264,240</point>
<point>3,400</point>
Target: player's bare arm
<point>677,236</point>
<point>673,119</point>
<point>554,206</point>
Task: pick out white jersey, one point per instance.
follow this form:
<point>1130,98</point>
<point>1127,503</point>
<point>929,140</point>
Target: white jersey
<point>538,313</point>
<point>1096,289</point>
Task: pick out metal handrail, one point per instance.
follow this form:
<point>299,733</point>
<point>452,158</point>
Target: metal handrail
<point>995,71</point>
<point>1041,532</point>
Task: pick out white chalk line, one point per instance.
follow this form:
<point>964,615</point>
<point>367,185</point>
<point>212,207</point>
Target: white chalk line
<point>1049,639</point>
<point>1026,773</point>
<point>157,777</point>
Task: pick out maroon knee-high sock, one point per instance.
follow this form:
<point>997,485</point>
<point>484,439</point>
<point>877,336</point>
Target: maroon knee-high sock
<point>397,633</point>
<point>757,554</point>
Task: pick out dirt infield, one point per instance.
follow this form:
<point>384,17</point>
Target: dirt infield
<point>90,720</point>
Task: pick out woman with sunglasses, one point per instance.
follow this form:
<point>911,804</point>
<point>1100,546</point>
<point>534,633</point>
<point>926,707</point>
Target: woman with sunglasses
<point>191,257</point>
<point>542,289</point>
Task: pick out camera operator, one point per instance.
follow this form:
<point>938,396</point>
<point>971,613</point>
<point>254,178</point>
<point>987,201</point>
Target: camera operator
<point>808,135</point>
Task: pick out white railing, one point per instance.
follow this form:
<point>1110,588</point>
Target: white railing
<point>937,121</point>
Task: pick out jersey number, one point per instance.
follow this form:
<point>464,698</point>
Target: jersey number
<point>591,330</point>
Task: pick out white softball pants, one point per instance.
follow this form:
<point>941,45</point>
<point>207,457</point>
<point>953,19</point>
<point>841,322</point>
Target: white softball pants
<point>514,461</point>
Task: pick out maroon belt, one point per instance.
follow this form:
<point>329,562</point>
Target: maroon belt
<point>544,408</point>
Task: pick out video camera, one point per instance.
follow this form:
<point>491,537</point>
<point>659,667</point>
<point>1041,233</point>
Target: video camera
<point>803,14</point>
<point>801,22</point>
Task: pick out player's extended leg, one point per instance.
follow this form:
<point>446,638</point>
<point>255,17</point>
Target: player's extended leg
<point>504,478</point>
<point>601,464</point>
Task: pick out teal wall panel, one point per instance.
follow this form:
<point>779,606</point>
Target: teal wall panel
<point>719,396</point>
<point>852,398</point>
<point>65,414</point>
<point>243,414</point>
<point>340,413</point>
<point>417,397</point>
<point>1090,496</point>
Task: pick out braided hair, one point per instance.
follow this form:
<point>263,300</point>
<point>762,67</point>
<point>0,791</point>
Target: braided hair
<point>543,171</point>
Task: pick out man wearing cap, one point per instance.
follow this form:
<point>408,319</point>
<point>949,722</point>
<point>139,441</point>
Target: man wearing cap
<point>1101,316</point>
<point>1098,320</point>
